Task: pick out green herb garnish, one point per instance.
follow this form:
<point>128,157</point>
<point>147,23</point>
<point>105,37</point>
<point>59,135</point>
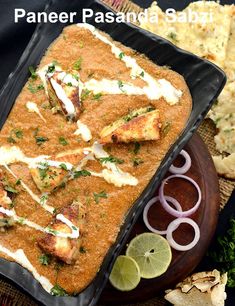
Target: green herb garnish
<point>77,65</point>
<point>63,141</point>
<point>121,55</point>
<point>82,250</point>
<point>10,139</point>
<point>40,140</point>
<point>173,36</point>
<point>33,73</point>
<point>121,85</point>
<point>85,94</point>
<point>58,291</point>
<point>98,196</point>
<point>63,166</point>
<point>44,259</point>
<point>10,189</point>
<point>97,96</point>
<point>142,74</point>
<point>35,88</point>
<point>43,199</point>
<point>137,161</point>
<point>77,174</point>
<point>166,128</point>
<point>111,159</point>
<point>137,147</point>
<point>18,133</point>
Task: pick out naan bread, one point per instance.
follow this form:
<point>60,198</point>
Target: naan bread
<point>205,288</point>
<point>214,41</point>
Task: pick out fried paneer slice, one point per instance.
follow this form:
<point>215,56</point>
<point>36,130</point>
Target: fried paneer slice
<point>5,202</point>
<point>140,125</point>
<point>65,249</point>
<point>49,178</point>
<point>63,93</point>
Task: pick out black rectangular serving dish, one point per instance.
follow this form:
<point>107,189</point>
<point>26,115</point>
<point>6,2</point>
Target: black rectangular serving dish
<point>204,79</point>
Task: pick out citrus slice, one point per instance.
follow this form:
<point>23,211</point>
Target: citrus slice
<point>152,253</point>
<point>125,275</point>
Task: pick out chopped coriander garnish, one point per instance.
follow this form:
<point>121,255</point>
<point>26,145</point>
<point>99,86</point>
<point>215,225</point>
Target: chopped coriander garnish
<point>63,141</point>
<point>70,84</point>
<point>74,228</point>
<point>150,109</point>
<point>77,174</point>
<point>40,140</point>
<point>75,76</point>
<point>120,85</point>
<point>10,139</point>
<point>137,161</point>
<point>35,88</point>
<point>58,291</point>
<point>51,68</point>
<point>44,259</point>
<point>18,182</point>
<point>97,96</point>
<point>166,128</point>
<point>21,221</point>
<point>63,166</point>
<point>98,196</point>
<point>121,55</point>
<point>137,147</point>
<point>173,36</point>
<point>42,173</point>
<point>85,94</point>
<point>77,65</point>
<point>33,73</point>
<point>43,199</point>
<point>10,189</point>
<point>18,133</point>
<point>111,159</point>
<point>82,250</point>
<point>142,74</point>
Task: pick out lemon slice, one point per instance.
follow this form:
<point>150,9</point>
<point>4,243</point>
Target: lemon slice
<point>125,275</point>
<point>152,253</point>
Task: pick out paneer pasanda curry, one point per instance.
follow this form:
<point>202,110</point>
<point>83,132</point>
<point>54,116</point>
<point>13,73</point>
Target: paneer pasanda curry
<point>85,136</point>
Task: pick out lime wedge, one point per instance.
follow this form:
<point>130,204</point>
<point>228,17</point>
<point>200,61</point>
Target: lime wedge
<point>152,253</point>
<point>125,275</point>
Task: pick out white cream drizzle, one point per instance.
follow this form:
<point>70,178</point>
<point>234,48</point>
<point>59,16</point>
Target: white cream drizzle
<point>84,131</point>
<point>20,257</point>
<point>60,217</point>
<point>113,174</point>
<point>68,104</point>
<point>155,89</point>
<point>33,108</point>
<point>10,155</point>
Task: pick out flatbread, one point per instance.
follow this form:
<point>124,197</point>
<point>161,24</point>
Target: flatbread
<point>216,42</point>
<point>204,288</point>
<point>230,54</point>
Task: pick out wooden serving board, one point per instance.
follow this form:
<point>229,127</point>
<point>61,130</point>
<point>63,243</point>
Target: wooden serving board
<point>183,263</point>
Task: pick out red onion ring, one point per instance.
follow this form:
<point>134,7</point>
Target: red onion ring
<point>171,210</point>
<point>185,167</point>
<point>174,225</point>
<point>146,210</point>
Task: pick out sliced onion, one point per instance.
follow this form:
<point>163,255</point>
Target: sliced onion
<point>171,210</point>
<point>185,167</point>
<point>146,210</point>
<point>174,225</point>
